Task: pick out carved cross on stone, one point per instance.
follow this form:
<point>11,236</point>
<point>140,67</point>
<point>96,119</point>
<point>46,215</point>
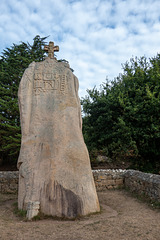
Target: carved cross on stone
<point>51,49</point>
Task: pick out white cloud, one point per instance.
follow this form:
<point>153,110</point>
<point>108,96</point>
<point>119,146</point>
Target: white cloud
<point>94,36</point>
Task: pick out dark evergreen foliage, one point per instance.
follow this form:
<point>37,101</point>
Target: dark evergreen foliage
<point>122,120</point>
<point>13,62</point>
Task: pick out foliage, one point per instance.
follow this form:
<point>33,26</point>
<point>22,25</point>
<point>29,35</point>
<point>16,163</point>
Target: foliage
<point>122,119</point>
<point>19,212</point>
<point>13,62</point>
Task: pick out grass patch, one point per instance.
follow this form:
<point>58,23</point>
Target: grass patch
<point>144,198</point>
<point>42,216</point>
<point>19,212</point>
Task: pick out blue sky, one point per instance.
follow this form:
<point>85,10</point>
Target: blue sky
<point>96,36</point>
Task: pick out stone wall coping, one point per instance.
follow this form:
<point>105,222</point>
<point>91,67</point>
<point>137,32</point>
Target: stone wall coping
<point>150,177</point>
<point>110,170</point>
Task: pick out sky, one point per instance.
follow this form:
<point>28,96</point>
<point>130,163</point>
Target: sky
<point>95,36</point>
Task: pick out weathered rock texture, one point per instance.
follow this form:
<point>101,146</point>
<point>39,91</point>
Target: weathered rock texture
<point>54,165</point>
<point>143,183</point>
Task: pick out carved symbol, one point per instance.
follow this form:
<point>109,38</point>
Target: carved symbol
<point>63,81</point>
<point>48,85</point>
<point>45,82</point>
<point>38,76</point>
<point>51,49</point>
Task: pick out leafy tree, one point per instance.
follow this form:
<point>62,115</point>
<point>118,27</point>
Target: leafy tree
<point>13,62</point>
<point>123,118</point>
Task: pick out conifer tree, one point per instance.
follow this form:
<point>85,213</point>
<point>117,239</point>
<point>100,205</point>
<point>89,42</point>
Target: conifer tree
<point>13,62</point>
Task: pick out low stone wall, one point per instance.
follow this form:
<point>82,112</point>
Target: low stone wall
<point>108,179</point>
<point>143,184</point>
<point>137,182</point>
<point>9,182</point>
<point>104,179</point>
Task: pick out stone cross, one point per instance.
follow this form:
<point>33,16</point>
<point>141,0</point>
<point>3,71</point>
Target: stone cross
<point>51,49</point>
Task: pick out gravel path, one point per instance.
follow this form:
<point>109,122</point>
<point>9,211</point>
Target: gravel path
<point>122,218</point>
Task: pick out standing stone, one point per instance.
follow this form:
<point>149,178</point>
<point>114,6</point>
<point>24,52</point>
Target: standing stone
<point>55,176</point>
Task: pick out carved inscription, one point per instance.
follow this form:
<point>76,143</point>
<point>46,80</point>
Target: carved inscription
<point>63,83</point>
<point>49,81</point>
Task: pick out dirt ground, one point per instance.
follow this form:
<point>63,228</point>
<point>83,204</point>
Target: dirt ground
<point>123,218</point>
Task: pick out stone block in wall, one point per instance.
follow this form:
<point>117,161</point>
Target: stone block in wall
<point>101,177</point>
<point>119,182</point>
<point>110,182</point>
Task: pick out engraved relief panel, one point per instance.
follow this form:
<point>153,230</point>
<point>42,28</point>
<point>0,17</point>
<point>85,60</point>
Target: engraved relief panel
<point>49,77</point>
